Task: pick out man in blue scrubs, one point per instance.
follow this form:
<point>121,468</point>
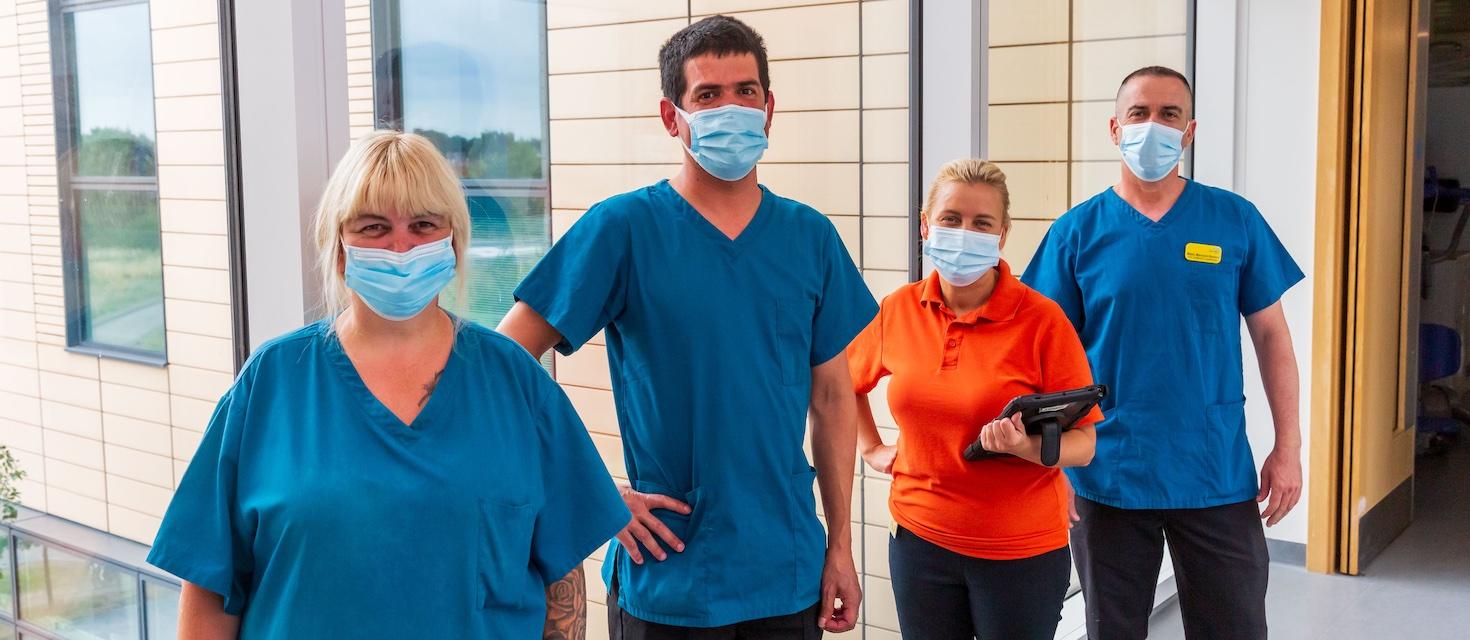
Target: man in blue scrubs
<point>726,310</point>
<point>1156,273</point>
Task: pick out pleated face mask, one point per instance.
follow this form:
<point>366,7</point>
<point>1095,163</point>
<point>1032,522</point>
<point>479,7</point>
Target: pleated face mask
<point>397,286</point>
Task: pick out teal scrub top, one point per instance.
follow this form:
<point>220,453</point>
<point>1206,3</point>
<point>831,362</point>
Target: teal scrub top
<point>1158,306</point>
<point>316,513</point>
<point>711,344</point>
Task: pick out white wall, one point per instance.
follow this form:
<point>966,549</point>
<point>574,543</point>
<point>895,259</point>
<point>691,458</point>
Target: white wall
<point>1276,152</point>
<point>1448,142</point>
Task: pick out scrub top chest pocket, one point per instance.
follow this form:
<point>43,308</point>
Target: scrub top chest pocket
<point>1212,273</point>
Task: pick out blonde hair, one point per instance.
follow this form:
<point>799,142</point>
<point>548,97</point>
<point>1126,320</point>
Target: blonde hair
<point>385,171</point>
<point>971,171</point>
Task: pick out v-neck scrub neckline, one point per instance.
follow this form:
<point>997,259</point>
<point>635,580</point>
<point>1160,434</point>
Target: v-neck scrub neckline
<point>751,232</point>
<point>371,406</point>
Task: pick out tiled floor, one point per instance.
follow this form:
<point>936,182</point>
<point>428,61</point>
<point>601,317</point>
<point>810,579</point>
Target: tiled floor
<point>1417,589</point>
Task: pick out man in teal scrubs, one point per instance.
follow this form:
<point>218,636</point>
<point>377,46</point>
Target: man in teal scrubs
<point>1156,273</point>
<point>726,310</point>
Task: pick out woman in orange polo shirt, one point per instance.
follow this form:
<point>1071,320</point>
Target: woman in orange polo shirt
<point>979,549</point>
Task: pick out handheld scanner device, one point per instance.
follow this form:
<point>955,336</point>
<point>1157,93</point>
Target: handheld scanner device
<point>1046,415</point>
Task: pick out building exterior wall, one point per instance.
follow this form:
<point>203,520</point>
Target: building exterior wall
<point>103,440</point>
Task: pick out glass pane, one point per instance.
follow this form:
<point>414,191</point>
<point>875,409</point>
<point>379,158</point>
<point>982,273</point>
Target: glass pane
<point>7,594</point>
<point>75,596</point>
<point>508,236</point>
<point>7,631</point>
<point>162,602</point>
<point>121,269</point>
<point>472,80</point>
<point>112,91</point>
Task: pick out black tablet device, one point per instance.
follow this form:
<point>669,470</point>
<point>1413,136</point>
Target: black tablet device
<point>1047,415</point>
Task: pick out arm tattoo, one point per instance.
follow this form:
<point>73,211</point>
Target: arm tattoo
<point>566,608</point>
<point>429,388</point>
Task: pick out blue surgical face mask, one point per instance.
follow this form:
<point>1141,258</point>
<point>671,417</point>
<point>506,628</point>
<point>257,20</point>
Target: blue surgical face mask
<point>726,141</point>
<point>1151,149</point>
<point>396,285</point>
<point>961,256</point>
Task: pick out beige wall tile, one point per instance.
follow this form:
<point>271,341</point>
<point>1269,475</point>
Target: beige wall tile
<point>1091,178</point>
<point>1021,243</point>
<point>611,94</point>
<point>595,407</point>
<point>181,44</point>
<point>585,368</point>
<point>77,508</point>
<point>709,7</point>
<point>132,402</point>
<point>138,496</point>
<point>562,221</point>
<point>14,211</point>
<point>191,147</point>
<point>885,243</point>
<point>807,32</point>
<point>581,186</point>
<point>608,48</point>
<point>814,136</point>
<point>189,113</point>
<point>191,413</point>
<point>613,141</point>
<point>80,421</point>
<point>74,449</point>
<point>886,81</point>
<point>18,352</point>
<point>12,182</point>
<point>886,135</point>
<point>193,216</point>
<point>849,231</point>
<point>578,13</point>
<point>1128,19</point>
<point>202,318</point>
<point>1038,189</point>
<point>192,182</point>
<point>132,525</point>
<point>885,26</point>
<point>199,77</point>
<point>186,442</point>
<point>51,358</point>
<point>1028,132</point>
<point>200,384</point>
<point>180,466</point>
<point>875,551</point>
<point>879,605</point>
<point>205,285</point>
<point>885,189</point>
<point>883,282</point>
<point>611,450</point>
<point>72,390</point>
<point>140,435</point>
<point>18,435</point>
<point>196,250</point>
<point>1013,22</point>
<point>1027,74</point>
<point>22,380</point>
<point>76,479</point>
<point>134,374</point>
<point>1091,139</point>
<point>148,468</point>
<point>203,352</point>
<point>829,188</point>
<point>1098,67</point>
<point>175,13</point>
<point>822,83</point>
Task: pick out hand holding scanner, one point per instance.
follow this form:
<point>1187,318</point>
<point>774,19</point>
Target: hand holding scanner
<point>1047,415</point>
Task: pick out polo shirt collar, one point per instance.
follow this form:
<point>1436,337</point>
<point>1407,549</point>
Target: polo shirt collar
<point>1004,301</point>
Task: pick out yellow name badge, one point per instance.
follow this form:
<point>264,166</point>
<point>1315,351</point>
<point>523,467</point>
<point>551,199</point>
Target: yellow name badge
<point>1206,253</point>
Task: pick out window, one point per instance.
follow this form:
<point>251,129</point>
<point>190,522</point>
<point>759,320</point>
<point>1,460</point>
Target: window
<point>108,178</point>
<point>470,75</point>
<point>73,595</point>
<point>161,607</point>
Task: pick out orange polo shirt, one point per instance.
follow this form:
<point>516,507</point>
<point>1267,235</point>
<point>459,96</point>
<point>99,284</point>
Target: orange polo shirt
<point>951,375</point>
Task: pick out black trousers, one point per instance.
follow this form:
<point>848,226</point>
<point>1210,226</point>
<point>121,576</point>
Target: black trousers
<point>1220,566</point>
<point>943,595</point>
<point>797,626</point>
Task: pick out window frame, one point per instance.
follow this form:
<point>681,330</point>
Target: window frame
<point>65,114</point>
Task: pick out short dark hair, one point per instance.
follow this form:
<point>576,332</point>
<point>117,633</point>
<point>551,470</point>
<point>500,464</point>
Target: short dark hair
<point>719,35</point>
<point>1156,71</point>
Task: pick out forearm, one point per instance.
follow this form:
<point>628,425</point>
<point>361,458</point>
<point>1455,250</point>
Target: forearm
<point>1279,376</point>
<point>834,445</point>
<point>1076,450</point>
<point>867,426</point>
<point>528,329</point>
<point>202,615</point>
<point>566,608</point>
